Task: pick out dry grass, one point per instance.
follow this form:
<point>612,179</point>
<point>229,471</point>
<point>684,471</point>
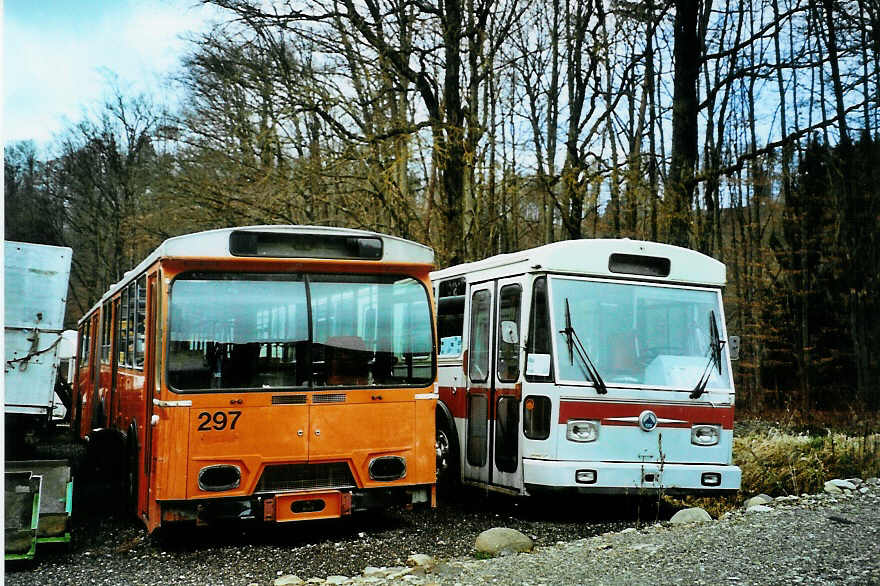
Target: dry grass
<point>777,462</point>
<point>780,462</point>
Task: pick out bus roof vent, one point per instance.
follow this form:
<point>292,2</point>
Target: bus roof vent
<point>634,264</point>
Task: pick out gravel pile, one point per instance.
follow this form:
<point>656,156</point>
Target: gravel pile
<point>832,538</point>
<point>818,539</point>
<point>108,548</point>
<point>811,539</point>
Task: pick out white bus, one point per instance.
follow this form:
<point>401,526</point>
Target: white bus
<point>593,366</point>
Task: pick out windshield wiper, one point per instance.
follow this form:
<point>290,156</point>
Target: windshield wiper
<point>715,346</point>
<point>575,345</point>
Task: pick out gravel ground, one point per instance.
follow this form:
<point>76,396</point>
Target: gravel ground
<point>110,549</point>
<point>820,539</point>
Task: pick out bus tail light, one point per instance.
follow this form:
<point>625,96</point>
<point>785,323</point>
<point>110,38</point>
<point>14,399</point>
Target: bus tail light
<point>387,468</point>
<point>705,435</point>
<point>585,476</point>
<point>581,430</point>
<point>219,477</point>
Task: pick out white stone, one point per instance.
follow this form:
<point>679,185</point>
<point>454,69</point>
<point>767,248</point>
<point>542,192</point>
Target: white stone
<point>842,484</point>
<point>288,580</point>
<point>421,560</point>
<point>787,499</point>
<point>759,509</point>
<point>337,580</point>
<point>692,515</point>
<point>503,540</point>
<point>399,574</point>
<point>371,571</point>
<point>629,530</point>
<point>832,488</point>
<point>761,499</point>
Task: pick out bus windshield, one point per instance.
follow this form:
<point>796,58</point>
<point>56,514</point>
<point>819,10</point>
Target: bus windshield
<point>260,331</point>
<point>637,334</point>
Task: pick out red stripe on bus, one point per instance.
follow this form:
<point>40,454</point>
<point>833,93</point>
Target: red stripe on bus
<point>457,401</point>
<point>688,414</point>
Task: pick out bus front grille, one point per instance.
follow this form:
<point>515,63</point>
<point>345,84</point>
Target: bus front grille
<point>305,477</point>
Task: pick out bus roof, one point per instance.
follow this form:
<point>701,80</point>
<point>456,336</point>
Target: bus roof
<point>216,244</point>
<point>601,258</point>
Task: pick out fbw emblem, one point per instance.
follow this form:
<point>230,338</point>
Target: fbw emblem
<point>647,420</point>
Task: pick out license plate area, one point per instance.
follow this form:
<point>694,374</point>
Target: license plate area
<point>303,506</point>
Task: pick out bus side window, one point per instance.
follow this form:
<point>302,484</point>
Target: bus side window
<point>508,333</point>
<point>478,341</point>
<point>539,329</point>
<point>450,316</point>
<point>105,334</point>
<point>84,340</point>
<point>140,322</point>
<point>122,328</point>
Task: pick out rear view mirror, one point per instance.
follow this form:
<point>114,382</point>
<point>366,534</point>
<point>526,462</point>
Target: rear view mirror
<point>509,332</point>
<point>733,347</point>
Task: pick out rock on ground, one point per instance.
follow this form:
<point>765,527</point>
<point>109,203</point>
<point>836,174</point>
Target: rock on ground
<point>501,540</point>
<point>761,499</point>
<point>692,515</point>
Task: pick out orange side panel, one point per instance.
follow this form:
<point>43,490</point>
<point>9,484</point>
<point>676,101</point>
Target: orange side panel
<point>425,469</point>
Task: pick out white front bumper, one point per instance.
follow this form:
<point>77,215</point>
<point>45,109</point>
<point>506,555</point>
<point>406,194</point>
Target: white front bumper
<point>620,477</point>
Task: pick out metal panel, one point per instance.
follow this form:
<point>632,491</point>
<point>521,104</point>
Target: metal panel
<point>36,278</point>
<point>35,282</point>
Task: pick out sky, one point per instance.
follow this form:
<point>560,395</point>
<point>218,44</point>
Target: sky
<point>58,56</point>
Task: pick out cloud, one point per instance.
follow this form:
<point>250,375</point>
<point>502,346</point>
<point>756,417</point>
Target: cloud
<point>55,67</point>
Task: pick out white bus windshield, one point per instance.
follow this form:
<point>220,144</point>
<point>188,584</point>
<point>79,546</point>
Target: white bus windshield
<point>637,334</point>
<point>251,331</point>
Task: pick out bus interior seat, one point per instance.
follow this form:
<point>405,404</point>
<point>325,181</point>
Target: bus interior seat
<point>623,352</point>
<point>347,361</point>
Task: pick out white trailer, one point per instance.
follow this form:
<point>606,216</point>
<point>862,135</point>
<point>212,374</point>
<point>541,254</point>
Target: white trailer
<point>38,493</point>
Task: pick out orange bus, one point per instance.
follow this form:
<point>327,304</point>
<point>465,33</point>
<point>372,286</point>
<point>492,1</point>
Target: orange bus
<point>280,373</point>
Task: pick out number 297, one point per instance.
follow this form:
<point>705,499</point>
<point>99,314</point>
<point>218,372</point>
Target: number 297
<point>218,420</point>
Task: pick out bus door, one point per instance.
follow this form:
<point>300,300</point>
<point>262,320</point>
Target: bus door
<point>479,379</point>
<point>506,396</point>
<point>99,403</point>
<point>150,342</point>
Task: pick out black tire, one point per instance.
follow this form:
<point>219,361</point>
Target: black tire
<point>448,468</point>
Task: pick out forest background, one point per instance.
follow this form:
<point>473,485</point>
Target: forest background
<point>746,130</point>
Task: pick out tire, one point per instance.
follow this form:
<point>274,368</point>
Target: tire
<point>448,468</point>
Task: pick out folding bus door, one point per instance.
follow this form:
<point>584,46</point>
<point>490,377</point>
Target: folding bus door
<point>506,396</point>
<point>476,464</point>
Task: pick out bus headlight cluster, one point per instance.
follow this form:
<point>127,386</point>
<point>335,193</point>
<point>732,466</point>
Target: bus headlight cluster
<point>705,435</point>
<point>582,430</point>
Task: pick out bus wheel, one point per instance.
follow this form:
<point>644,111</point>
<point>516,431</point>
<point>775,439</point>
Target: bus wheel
<point>131,475</point>
<point>447,459</point>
